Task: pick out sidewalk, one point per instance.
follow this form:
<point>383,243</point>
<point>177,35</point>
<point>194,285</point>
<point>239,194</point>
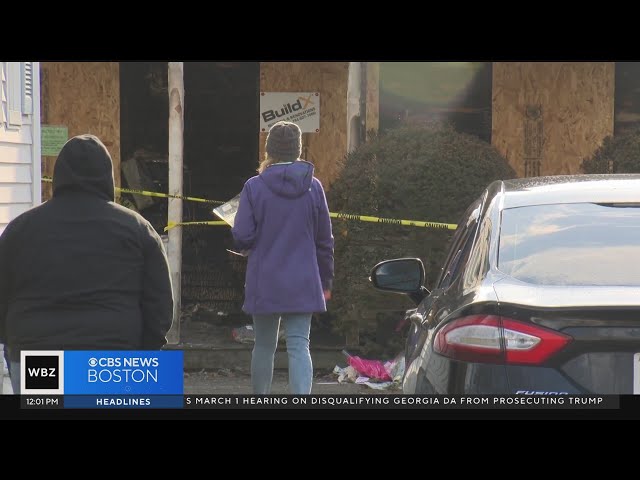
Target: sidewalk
<point>239,382</point>
<point>215,363</point>
<point>208,344</point>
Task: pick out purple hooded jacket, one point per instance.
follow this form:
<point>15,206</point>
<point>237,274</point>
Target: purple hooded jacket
<point>283,221</point>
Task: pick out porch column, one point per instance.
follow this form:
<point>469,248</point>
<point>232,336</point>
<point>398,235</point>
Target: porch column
<point>176,144</point>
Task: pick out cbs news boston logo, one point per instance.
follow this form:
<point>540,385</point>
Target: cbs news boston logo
<point>95,374</point>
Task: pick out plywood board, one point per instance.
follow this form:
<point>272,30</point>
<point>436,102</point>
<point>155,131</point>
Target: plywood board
<point>85,97</point>
<point>327,148</point>
<point>548,116</point>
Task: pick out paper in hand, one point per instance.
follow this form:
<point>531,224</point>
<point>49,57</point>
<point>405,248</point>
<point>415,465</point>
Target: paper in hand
<point>227,211</point>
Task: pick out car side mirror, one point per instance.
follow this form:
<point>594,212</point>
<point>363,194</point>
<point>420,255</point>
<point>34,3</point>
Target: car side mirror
<point>401,275</point>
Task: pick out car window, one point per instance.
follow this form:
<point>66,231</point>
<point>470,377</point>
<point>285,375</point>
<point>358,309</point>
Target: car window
<point>478,262</point>
<point>572,244</point>
<point>461,245</point>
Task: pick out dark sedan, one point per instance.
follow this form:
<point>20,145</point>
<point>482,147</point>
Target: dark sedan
<point>539,294</point>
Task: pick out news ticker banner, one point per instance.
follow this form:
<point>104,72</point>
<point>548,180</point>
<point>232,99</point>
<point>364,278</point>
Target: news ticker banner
<point>332,402</point>
<point>103,379</point>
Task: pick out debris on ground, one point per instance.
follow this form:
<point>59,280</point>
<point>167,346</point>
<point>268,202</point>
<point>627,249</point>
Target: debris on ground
<point>368,368</point>
<point>244,334</point>
<point>348,374</point>
<point>188,312</point>
<point>382,385</point>
<point>372,373</point>
<point>395,368</point>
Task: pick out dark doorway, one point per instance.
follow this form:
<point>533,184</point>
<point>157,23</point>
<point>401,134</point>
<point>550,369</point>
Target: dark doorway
<point>626,97</point>
<point>144,137</point>
<point>220,154</point>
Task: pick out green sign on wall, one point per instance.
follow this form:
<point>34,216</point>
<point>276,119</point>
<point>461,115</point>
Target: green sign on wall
<point>52,138</point>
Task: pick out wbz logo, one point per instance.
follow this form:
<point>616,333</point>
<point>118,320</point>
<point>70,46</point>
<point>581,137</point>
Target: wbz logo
<point>42,372</point>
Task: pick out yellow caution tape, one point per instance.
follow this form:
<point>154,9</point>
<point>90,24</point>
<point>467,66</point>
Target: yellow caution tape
<point>344,216</point>
<point>186,224</point>
<point>155,194</point>
<point>167,195</point>
<point>393,221</point>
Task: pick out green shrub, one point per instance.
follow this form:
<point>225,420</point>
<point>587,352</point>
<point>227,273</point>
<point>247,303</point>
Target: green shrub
<point>619,154</point>
<point>429,173</point>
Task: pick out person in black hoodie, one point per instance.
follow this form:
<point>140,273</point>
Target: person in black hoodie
<point>80,272</point>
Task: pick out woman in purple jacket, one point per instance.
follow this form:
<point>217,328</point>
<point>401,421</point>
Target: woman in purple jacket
<point>283,223</point>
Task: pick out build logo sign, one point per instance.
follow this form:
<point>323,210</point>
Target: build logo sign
<point>301,108</point>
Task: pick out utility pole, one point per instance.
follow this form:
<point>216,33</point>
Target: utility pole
<point>176,148</point>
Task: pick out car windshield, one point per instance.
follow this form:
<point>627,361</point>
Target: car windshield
<point>572,244</point>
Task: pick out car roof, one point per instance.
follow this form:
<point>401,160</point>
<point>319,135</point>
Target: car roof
<point>611,188</point>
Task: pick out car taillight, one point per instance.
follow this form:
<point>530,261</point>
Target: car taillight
<point>494,339</point>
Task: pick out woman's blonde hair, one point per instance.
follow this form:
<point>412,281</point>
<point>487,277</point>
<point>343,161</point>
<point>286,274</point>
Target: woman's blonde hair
<point>267,161</point>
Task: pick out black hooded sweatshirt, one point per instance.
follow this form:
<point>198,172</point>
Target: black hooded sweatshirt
<point>80,272</point>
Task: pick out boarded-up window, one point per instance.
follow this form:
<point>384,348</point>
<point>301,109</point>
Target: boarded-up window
<point>627,97</point>
<point>458,93</point>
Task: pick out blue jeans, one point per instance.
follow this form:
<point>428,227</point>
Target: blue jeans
<point>297,327</point>
<point>14,373</point>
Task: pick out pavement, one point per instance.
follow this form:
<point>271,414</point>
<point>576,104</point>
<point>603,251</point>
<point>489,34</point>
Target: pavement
<point>208,343</point>
<point>226,381</point>
<point>216,364</point>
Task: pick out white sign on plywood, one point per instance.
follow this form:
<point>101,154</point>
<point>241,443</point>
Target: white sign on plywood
<point>301,108</point>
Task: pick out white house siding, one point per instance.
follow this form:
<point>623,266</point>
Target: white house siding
<point>19,148</point>
<point>19,139</point>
